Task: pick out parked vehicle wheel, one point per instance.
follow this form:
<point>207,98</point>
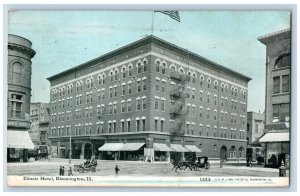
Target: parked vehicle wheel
<point>81,170</point>
<point>207,165</point>
<point>76,168</point>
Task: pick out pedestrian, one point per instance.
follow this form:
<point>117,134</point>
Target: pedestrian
<point>70,172</point>
<point>117,170</point>
<point>63,171</point>
<point>60,170</point>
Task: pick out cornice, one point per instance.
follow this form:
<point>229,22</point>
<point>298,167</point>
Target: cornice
<point>25,50</point>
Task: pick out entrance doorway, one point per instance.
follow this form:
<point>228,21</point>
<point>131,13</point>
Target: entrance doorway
<point>223,153</point>
<point>88,151</point>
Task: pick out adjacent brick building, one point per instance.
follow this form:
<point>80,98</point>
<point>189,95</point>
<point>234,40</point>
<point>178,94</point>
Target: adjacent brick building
<point>18,97</point>
<point>40,120</point>
<point>148,100</point>
<point>277,111</point>
<point>255,127</point>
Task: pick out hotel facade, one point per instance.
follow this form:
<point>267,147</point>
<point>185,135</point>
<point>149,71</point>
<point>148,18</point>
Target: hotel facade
<point>149,100</point>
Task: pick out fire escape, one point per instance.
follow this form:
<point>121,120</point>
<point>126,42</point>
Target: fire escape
<point>177,109</point>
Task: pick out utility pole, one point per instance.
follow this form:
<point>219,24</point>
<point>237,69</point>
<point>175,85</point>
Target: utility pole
<point>70,149</point>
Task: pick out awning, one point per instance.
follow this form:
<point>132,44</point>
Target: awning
<point>111,147</point>
<point>275,137</point>
<point>161,147</point>
<point>192,148</point>
<point>178,148</point>
<point>131,146</point>
<point>19,139</point>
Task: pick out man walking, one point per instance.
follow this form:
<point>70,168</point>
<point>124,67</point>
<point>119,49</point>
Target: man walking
<point>117,170</point>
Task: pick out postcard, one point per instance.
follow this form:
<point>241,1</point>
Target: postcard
<point>148,98</point>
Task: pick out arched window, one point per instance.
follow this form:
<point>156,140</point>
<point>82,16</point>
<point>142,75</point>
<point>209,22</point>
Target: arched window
<point>139,68</point>
<point>130,71</point>
<point>232,152</point>
<point>17,70</point>
<point>124,72</point>
<point>157,64</point>
<point>283,61</point>
<point>163,68</point>
<point>116,74</point>
<point>145,62</point>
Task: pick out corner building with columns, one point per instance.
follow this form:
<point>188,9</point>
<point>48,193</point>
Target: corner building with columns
<point>149,100</point>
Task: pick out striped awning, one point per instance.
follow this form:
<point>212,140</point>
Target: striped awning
<point>19,139</point>
<point>192,148</point>
<point>161,147</point>
<point>178,148</point>
<point>131,146</point>
<point>111,147</point>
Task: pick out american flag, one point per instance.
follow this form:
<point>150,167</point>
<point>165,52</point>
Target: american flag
<point>173,14</point>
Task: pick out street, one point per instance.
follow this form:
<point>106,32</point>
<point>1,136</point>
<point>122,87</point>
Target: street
<point>137,168</point>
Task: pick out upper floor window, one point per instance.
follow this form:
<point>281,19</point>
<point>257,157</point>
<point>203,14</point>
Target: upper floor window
<point>283,61</point>
<point>285,83</point>
<point>17,73</point>
<point>276,84</point>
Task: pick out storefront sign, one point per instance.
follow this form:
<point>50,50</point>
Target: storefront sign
<point>23,124</point>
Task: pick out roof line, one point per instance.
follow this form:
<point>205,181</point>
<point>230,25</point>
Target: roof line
<point>155,40</point>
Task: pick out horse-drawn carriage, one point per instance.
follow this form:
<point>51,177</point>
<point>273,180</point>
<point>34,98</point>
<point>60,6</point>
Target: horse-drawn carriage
<point>193,163</point>
<point>86,166</point>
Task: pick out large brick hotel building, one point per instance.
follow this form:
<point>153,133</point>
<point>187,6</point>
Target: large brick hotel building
<point>148,100</point>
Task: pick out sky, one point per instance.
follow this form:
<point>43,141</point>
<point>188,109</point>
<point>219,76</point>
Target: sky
<point>65,39</point>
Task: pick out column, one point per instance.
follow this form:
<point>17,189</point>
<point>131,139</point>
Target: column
<point>182,158</point>
<point>168,157</point>
<point>58,149</point>
<point>93,151</point>
<point>82,151</point>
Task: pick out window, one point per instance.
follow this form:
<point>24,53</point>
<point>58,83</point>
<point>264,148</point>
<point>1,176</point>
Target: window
<point>123,89</point>
<point>115,127</point>
<point>283,61</point>
<point>163,69</point>
<point>109,127</point>
<point>145,65</point>
<point>110,92</point>
<point>156,104</point>
<point>285,83</point>
<point>138,105</point>
<point>143,125</point>
<point>16,105</point>
<point>139,68</point>
<point>157,85</point>
<point>123,72</point>
<point>163,86</point>
<point>162,126</point>
<point>201,96</point>
<point>129,106</point>
<point>207,114</point>
<point>200,112</point>
<point>129,88</point>
<point>162,105</point>
<point>123,126</point>
<point>116,75</point>
<point>139,87</point>
<point>116,92</point>
<point>128,126</point>
<point>115,108</point>
<point>17,73</point>
<point>123,107</point>
<point>144,85</point>
<point>130,71</point>
<point>276,84</point>
<point>157,66</point>
<point>137,125</point>
<point>281,112</point>
<point>215,115</point>
<point>188,129</point>
<point>155,124</point>
<point>110,109</point>
<point>207,98</point>
<point>144,103</point>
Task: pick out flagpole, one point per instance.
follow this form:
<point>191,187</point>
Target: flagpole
<point>152,25</point>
